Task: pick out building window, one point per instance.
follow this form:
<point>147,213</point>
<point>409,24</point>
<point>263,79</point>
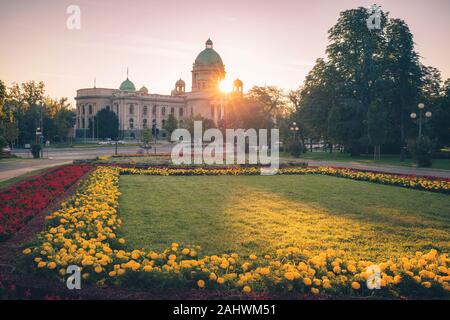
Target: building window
<point>192,111</point>
<point>181,112</point>
<point>163,111</point>
<point>90,109</point>
<point>108,108</point>
<point>131,123</point>
<point>154,110</point>
<point>84,110</point>
<point>144,123</point>
<point>83,122</point>
<point>163,123</point>
<point>131,109</point>
<point>144,111</point>
<point>172,110</point>
<point>212,111</point>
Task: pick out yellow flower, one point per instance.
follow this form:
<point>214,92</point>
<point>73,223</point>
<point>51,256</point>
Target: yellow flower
<point>51,265</point>
<point>201,283</point>
<point>220,280</point>
<point>307,281</point>
<point>112,273</point>
<point>98,269</point>
<point>121,241</point>
<point>41,264</point>
<point>26,251</point>
<point>185,251</point>
<point>252,257</point>
<point>148,268</point>
<point>213,277</point>
<point>356,285</point>
<point>289,275</point>
<point>314,290</point>
<point>247,289</point>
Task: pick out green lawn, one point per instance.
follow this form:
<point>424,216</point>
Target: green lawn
<point>258,214</point>
<point>366,159</point>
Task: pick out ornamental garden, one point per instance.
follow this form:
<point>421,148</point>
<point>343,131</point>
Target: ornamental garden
<point>138,225</point>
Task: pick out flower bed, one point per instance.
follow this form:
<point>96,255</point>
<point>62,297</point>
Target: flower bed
<point>85,232</point>
<point>24,200</point>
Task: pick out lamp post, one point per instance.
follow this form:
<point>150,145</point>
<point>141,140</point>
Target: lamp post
<point>294,128</point>
<point>420,119</point>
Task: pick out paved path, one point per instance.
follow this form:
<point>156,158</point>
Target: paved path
<point>12,169</point>
<point>425,172</point>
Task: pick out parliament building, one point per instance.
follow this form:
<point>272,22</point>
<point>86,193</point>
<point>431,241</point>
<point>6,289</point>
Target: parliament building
<point>139,109</point>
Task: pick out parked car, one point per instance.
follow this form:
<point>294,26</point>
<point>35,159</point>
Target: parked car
<point>6,150</point>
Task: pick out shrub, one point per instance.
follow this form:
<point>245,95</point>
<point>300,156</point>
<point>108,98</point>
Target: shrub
<point>36,150</point>
<point>422,152</point>
<point>295,148</point>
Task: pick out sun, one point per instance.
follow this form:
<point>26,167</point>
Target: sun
<point>226,85</point>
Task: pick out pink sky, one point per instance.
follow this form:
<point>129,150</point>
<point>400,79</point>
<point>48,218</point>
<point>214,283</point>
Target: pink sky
<point>261,42</point>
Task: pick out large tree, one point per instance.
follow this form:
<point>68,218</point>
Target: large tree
<point>170,125</point>
<point>107,124</point>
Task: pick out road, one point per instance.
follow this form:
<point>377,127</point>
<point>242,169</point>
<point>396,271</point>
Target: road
<point>59,156</point>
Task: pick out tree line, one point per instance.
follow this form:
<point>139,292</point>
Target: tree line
<point>26,113</point>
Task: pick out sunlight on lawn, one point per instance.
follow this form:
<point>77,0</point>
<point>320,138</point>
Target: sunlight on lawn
<point>261,214</point>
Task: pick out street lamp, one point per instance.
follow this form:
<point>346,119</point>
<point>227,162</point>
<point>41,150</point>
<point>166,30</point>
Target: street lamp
<point>294,128</point>
<point>421,120</point>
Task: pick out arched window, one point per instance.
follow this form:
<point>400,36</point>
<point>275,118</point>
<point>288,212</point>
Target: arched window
<point>84,110</point>
<point>144,111</point>
<point>163,111</point>
<point>131,109</point>
<point>154,110</point>
<point>90,109</point>
<point>131,123</point>
<point>181,112</point>
<point>144,123</point>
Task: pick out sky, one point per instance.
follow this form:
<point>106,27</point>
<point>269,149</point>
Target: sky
<point>262,42</point>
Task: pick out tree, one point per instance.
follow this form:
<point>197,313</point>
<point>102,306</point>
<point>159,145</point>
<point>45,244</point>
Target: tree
<point>206,124</point>
<point>170,125</point>
<point>376,122</point>
<point>403,74</point>
<point>64,121</point>
<point>2,97</point>
<point>108,124</point>
<point>345,125</point>
<point>273,100</point>
<point>146,138</point>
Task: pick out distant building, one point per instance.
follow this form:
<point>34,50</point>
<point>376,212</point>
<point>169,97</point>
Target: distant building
<point>139,109</point>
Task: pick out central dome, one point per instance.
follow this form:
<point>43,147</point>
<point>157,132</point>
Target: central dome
<point>209,57</point>
<point>127,85</point>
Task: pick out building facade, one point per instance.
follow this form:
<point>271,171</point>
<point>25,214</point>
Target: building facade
<point>138,109</point>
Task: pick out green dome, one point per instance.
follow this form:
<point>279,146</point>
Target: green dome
<point>127,85</point>
<point>209,57</point>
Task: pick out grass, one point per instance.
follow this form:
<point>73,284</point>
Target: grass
<point>258,214</point>
<point>367,159</point>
